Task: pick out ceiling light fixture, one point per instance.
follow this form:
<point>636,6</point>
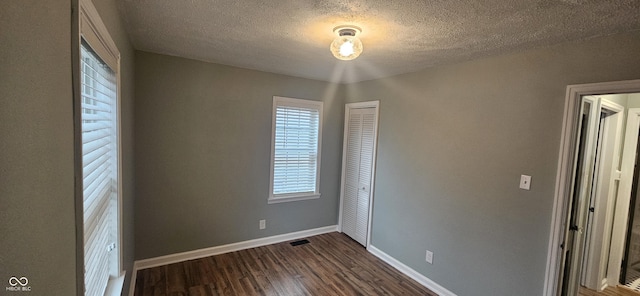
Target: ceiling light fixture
<point>346,46</point>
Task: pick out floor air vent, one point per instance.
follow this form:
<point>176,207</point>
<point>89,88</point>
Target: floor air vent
<point>634,284</point>
<point>299,242</point>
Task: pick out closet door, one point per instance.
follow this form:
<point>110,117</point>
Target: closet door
<point>358,172</point>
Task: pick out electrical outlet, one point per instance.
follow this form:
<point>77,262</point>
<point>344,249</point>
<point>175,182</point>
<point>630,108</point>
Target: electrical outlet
<point>263,224</point>
<point>429,257</point>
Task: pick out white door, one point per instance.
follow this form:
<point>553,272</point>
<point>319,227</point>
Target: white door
<point>358,167</point>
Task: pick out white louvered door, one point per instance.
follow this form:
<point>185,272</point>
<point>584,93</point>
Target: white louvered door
<point>352,167</point>
<point>358,171</point>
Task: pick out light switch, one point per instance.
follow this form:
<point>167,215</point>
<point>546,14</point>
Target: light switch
<point>525,182</point>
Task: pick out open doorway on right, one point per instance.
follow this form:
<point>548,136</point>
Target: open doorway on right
<point>602,242</point>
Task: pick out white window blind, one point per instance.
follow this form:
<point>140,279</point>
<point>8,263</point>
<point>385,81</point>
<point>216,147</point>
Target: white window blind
<point>99,171</point>
<point>296,140</point>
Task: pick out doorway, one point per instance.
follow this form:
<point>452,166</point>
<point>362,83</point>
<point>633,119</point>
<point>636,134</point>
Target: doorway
<point>593,189</point>
<point>358,170</point>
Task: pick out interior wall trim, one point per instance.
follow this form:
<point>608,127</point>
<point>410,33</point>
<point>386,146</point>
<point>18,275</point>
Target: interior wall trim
<point>410,272</point>
<point>217,250</point>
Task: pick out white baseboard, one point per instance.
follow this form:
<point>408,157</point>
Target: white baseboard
<point>212,251</point>
<point>418,277</point>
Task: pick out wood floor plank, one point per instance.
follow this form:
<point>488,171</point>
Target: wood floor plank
<point>331,264</point>
<point>176,280</point>
<point>154,281</point>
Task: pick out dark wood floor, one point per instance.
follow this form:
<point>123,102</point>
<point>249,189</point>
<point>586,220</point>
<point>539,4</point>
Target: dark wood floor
<point>609,291</point>
<point>331,264</point>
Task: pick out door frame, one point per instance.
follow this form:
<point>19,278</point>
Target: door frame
<point>565,169</point>
<point>582,189</point>
<point>620,218</point>
<point>597,248</point>
<point>631,217</point>
<point>347,109</point>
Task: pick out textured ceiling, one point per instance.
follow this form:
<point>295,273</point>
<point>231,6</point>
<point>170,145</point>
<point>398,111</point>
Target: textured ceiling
<point>292,36</point>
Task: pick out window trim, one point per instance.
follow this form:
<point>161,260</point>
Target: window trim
<point>297,196</point>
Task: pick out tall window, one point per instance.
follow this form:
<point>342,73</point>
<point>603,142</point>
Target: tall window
<point>99,131</point>
<point>295,149</point>
<point>99,168</point>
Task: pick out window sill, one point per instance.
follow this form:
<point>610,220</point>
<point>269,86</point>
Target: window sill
<point>288,198</point>
<point>114,286</point>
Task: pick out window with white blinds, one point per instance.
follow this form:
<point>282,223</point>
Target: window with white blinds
<point>295,156</point>
<point>96,106</point>
<point>99,168</point>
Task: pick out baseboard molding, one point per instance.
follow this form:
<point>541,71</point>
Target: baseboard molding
<point>212,251</point>
<point>418,277</point>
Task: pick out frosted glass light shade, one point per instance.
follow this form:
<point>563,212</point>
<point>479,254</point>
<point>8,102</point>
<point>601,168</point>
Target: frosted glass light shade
<point>346,47</point>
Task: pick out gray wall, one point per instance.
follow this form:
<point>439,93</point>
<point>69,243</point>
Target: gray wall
<point>453,143</point>
<point>203,144</point>
<point>37,220</point>
<point>37,217</point>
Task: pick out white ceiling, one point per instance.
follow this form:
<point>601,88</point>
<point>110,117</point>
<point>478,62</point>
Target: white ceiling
<point>292,36</point>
